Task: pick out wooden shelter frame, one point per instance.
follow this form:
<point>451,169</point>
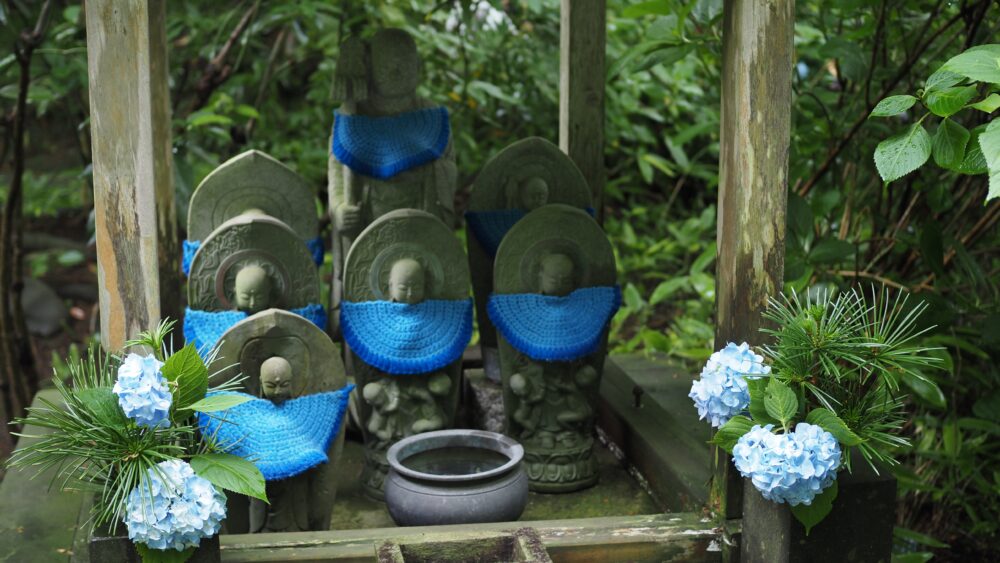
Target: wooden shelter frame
<point>138,250</point>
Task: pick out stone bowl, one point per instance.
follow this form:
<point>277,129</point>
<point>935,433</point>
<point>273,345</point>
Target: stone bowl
<point>455,477</point>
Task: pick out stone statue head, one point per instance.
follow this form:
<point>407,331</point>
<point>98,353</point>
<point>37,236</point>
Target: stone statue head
<point>407,281</point>
<point>276,379</point>
<point>533,193</point>
<point>556,275</point>
<point>395,64</point>
<point>252,289</point>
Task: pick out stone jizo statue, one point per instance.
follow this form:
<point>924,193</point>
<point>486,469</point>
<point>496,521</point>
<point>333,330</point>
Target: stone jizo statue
<point>252,289</point>
<point>406,282</point>
<point>276,379</point>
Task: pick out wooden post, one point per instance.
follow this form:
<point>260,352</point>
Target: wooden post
<point>757,61</point>
<point>137,250</point>
<point>581,90</point>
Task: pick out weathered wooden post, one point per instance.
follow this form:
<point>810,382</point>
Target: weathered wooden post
<point>758,57</point>
<point>137,251</point>
<point>581,90</point>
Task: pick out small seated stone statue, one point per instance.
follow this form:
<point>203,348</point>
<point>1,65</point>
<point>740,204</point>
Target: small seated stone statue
<point>528,194</point>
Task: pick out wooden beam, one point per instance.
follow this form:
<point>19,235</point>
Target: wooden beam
<point>757,61</point>
<point>581,90</point>
<point>137,250</point>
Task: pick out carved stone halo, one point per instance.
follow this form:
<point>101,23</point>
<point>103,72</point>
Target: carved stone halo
<point>225,276</point>
<point>531,262</point>
<point>378,276</point>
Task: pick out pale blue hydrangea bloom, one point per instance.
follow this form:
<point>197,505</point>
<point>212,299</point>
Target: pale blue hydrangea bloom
<point>142,391</point>
<point>175,509</point>
<point>722,392</point>
<point>792,467</point>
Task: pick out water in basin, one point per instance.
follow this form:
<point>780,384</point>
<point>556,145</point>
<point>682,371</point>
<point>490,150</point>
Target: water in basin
<point>455,460</point>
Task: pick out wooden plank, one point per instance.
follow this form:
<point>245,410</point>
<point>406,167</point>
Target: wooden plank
<point>136,224</point>
<point>753,183</point>
<point>581,90</point>
<point>659,537</point>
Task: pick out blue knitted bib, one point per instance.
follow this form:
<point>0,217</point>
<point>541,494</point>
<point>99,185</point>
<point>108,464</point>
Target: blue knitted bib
<point>489,227</point>
<point>555,329</point>
<point>205,328</point>
<point>315,247</point>
<point>407,339</point>
<point>382,147</point>
<point>281,440</point>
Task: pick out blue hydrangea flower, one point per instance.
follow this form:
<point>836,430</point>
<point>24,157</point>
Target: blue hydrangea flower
<point>792,467</point>
<point>142,391</point>
<point>722,392</point>
<point>175,509</point>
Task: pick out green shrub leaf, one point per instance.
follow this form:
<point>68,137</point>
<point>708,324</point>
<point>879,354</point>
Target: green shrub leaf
<point>815,513</point>
<point>729,433</point>
<point>950,100</point>
<point>989,143</point>
<point>831,250</point>
<point>903,153</point>
<point>780,401</point>
<point>980,63</point>
<point>219,402</point>
<point>188,376</point>
<point>757,388</point>
<point>827,420</point>
<point>893,105</point>
<point>989,104</point>
<point>102,403</point>
<point>231,473</point>
<point>942,79</point>
<point>948,146</point>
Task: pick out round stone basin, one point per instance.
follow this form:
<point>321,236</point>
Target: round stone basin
<point>455,477</point>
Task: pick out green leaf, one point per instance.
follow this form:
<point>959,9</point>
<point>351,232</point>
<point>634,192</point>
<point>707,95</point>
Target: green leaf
<point>980,63</point>
<point>948,146</point>
<point>942,79</point>
<point>989,143</point>
<point>660,7</point>
<point>893,105</point>
<point>814,513</point>
<point>220,402</point>
<point>903,153</point>
<point>757,388</point>
<point>950,100</point>
<point>952,438</point>
<point>102,403</point>
<point>917,537</point>
<point>780,401</point>
<point>231,473</point>
<point>831,250</point>
<point>729,433</point>
<point>926,389</point>
<point>666,289</point>
<point>149,555</point>
<point>974,161</point>
<point>989,104</point>
<point>203,118</point>
<point>799,215</point>
<point>913,557</point>
<point>827,420</point>
<point>186,372</point>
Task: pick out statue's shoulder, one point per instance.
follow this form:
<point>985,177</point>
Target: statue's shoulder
<point>424,103</point>
<point>347,108</point>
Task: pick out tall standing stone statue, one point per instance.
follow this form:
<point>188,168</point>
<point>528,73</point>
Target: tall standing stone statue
<point>522,177</point>
<point>555,293</point>
<point>390,149</point>
<point>293,431</point>
<point>406,319</point>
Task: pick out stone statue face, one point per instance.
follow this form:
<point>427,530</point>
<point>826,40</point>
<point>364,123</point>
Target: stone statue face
<point>534,193</point>
<point>395,64</point>
<point>276,379</point>
<point>406,282</point>
<point>555,276</point>
<point>253,289</point>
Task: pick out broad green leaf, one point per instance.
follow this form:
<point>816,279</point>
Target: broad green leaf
<point>942,79</point>
<point>666,289</point>
<point>926,389</point>
<point>893,105</point>
<point>729,433</point>
<point>231,473</point>
<point>903,153</point>
<point>950,100</point>
<point>917,537</point>
<point>827,420</point>
<point>952,438</point>
<point>974,161</point>
<point>163,555</point>
<point>989,104</point>
<point>814,513</point>
<point>493,91</point>
<point>633,301</point>
<point>102,403</point>
<point>219,402</point>
<point>634,53</point>
<point>203,118</point>
<point>757,388</point>
<point>948,146</point>
<point>653,7</point>
<point>780,401</point>
<point>989,143</point>
<point>981,64</point>
<point>831,250</point>
<point>186,372</point>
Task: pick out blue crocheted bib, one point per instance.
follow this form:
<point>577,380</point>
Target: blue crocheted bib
<point>489,227</point>
<point>205,328</point>
<point>407,339</point>
<point>382,147</point>
<point>555,329</point>
<point>281,440</point>
<point>190,247</point>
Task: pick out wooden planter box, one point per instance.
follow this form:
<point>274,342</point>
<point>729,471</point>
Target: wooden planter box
<point>104,546</point>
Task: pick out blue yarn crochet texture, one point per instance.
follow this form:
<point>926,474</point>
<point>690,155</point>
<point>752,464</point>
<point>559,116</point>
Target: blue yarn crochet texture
<point>281,440</point>
<point>384,146</point>
<point>403,339</point>
<point>205,328</point>
<point>190,247</point>
<point>555,329</point>
<point>489,227</point>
